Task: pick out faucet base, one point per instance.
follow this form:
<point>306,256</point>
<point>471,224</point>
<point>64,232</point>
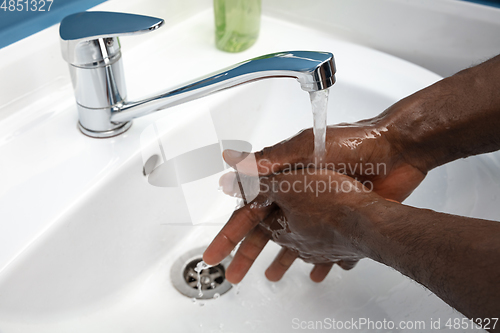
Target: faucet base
<point>105,134</point>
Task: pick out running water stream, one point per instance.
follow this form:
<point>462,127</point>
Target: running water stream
<point>200,267</point>
<point>319,103</point>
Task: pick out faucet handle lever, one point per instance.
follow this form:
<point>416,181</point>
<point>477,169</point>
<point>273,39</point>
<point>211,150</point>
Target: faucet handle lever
<point>94,25</point>
<point>83,34</point>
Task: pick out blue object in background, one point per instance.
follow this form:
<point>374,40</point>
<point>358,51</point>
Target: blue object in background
<point>18,24</point>
<point>493,3</point>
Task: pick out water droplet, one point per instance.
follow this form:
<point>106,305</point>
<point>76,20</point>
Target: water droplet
<point>239,204</point>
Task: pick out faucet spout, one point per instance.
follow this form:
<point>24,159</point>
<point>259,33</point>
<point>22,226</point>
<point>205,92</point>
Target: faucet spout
<point>90,45</point>
<point>314,71</point>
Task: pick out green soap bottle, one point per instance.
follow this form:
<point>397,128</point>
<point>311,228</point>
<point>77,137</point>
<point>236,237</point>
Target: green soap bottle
<point>237,24</point>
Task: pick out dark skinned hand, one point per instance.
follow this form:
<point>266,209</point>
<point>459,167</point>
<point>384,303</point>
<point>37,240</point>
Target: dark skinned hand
<point>359,150</point>
<point>318,220</point>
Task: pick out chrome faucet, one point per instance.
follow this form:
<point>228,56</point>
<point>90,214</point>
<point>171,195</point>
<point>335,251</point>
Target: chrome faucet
<point>89,42</point>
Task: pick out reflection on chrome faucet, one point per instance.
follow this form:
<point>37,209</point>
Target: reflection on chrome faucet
<point>89,42</point>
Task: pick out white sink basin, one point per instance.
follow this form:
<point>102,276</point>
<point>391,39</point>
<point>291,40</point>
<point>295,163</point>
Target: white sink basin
<point>106,238</point>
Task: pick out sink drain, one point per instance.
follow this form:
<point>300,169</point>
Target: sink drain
<point>212,279</point>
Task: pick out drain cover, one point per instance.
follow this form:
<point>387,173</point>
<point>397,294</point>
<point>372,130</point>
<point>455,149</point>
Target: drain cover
<point>210,278</point>
<point>185,278</point>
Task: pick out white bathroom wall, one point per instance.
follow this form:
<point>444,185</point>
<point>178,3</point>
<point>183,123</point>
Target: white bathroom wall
<point>441,35</point>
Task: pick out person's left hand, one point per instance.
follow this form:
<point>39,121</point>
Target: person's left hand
<point>320,217</point>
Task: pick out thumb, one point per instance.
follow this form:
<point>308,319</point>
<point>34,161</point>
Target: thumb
<point>293,153</point>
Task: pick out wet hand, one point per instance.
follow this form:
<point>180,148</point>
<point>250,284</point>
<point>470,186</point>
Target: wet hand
<point>360,150</point>
<point>319,216</point>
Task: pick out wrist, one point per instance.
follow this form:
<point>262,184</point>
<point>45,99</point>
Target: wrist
<point>380,218</point>
<point>454,118</point>
<point>415,125</point>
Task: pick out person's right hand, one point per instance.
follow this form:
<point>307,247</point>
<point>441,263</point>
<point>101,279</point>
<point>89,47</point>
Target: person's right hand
<point>360,150</point>
<point>322,217</point>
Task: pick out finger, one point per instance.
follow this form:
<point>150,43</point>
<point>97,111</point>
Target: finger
<point>239,185</point>
<point>229,184</point>
<point>239,225</point>
<point>284,155</point>
<point>347,264</point>
<point>320,271</point>
<point>248,251</point>
<point>281,263</point>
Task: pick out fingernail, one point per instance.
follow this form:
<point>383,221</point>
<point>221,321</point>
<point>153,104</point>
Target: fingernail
<point>233,154</point>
